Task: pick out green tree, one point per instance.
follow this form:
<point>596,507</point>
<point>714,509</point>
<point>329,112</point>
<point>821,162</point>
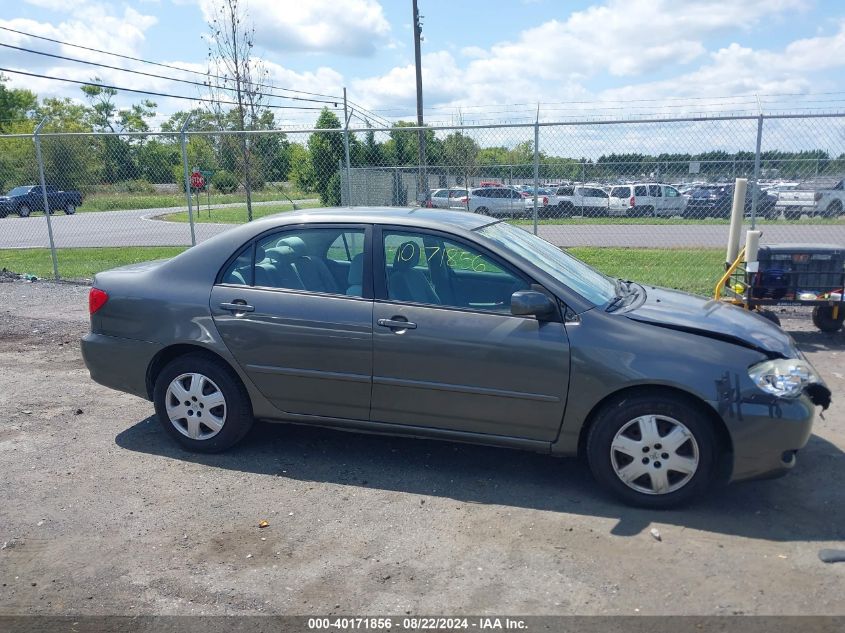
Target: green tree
<point>15,105</point>
<point>326,152</point>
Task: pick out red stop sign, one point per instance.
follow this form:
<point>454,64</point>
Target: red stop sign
<point>197,180</point>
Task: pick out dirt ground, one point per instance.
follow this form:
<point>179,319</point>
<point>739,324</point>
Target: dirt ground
<point>100,513</point>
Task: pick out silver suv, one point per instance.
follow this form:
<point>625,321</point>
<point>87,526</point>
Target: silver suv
<point>497,201</point>
<point>646,199</point>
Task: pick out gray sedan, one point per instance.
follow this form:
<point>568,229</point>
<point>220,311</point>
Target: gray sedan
<point>455,326</point>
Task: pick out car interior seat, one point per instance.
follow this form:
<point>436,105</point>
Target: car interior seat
<point>405,282</point>
<point>313,272</point>
<point>356,276</point>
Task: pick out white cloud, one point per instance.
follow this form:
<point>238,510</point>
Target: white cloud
<point>343,27</point>
<point>558,59</point>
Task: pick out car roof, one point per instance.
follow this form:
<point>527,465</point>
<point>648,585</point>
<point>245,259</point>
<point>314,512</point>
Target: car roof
<point>413,216</point>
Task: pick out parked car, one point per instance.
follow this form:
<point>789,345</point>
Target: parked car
<point>450,325</point>
<point>28,198</point>
<point>648,199</point>
<point>439,199</point>
<point>716,201</point>
<point>585,200</point>
<point>825,197</point>
<point>495,201</point>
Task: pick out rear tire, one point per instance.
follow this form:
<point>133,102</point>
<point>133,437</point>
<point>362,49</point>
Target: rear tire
<point>24,211</point>
<point>669,464</point>
<point>482,210</point>
<point>824,321</point>
<point>565,210</point>
<point>199,377</point>
<point>834,209</point>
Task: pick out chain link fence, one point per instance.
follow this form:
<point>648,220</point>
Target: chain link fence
<point>645,199</point>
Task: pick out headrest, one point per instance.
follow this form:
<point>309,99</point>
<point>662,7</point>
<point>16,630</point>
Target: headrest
<point>296,245</point>
<point>260,253</point>
<point>407,256</point>
<point>279,253</point>
<point>356,270</point>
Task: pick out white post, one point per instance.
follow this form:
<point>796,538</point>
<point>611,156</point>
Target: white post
<point>737,213</point>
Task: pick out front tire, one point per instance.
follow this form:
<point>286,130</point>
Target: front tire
<point>823,318</point>
<point>24,211</point>
<point>202,403</point>
<point>652,450</point>
<point>834,209</point>
<point>70,209</point>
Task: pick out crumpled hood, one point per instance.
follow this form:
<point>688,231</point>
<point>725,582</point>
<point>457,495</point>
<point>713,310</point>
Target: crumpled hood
<point>706,317</point>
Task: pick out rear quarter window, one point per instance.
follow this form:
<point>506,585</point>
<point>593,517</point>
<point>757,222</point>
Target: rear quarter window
<point>640,190</point>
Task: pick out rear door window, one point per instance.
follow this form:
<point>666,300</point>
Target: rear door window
<point>654,191</point>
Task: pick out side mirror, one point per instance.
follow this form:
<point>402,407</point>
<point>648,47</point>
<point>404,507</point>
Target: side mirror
<point>531,303</point>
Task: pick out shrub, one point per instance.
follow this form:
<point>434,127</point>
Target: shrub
<point>139,185</point>
<point>224,181</point>
<point>331,197</point>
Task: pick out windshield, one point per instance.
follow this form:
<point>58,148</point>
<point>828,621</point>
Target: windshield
<point>586,281</point>
<point>17,191</point>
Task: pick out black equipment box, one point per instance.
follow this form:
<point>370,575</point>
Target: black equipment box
<point>794,272</point>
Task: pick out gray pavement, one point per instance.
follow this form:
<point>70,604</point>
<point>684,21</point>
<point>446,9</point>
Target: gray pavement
<point>141,228</point>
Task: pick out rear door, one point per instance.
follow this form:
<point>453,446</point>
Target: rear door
<point>448,354</point>
<point>674,202</point>
<point>620,198</point>
<point>298,318</point>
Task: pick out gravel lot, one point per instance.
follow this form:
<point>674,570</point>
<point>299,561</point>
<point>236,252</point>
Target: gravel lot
<point>102,514</point>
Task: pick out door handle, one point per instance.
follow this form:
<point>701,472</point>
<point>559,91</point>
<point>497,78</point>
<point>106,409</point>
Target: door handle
<point>397,324</point>
<point>238,305</point>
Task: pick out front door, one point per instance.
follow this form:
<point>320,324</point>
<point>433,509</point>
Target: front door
<point>448,354</point>
<point>297,316</point>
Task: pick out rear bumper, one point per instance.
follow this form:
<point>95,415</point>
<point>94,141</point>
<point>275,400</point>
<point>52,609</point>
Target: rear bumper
<point>119,363</point>
<point>767,434</point>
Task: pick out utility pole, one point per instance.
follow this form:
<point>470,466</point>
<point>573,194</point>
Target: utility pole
<point>423,186</point>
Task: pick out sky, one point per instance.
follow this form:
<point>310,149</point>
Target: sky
<point>483,61</point>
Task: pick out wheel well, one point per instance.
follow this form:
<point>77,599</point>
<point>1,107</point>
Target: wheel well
<point>168,354</point>
<point>722,435</point>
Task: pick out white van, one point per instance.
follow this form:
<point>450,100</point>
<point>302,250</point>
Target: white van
<point>649,199</point>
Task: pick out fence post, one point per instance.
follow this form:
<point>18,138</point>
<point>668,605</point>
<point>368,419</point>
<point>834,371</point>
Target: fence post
<point>37,140</point>
<point>346,118</point>
<point>536,164</point>
<point>184,139</point>
<point>754,187</point>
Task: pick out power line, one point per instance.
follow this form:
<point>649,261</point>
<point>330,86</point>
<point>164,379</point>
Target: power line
<point>162,65</point>
<point>148,92</point>
<point>333,99</point>
<point>140,72</point>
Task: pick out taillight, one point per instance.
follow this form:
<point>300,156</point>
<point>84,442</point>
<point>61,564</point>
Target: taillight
<point>632,201</point>
<point>96,299</point>
<point>545,200</point>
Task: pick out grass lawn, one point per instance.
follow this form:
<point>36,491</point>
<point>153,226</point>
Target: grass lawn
<point>693,270</point>
<point>80,263</point>
<point>235,215</point>
<point>110,201</point>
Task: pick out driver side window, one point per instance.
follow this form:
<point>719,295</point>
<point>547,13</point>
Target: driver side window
<point>425,268</point>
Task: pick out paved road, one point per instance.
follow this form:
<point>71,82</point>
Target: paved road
<point>140,228</point>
